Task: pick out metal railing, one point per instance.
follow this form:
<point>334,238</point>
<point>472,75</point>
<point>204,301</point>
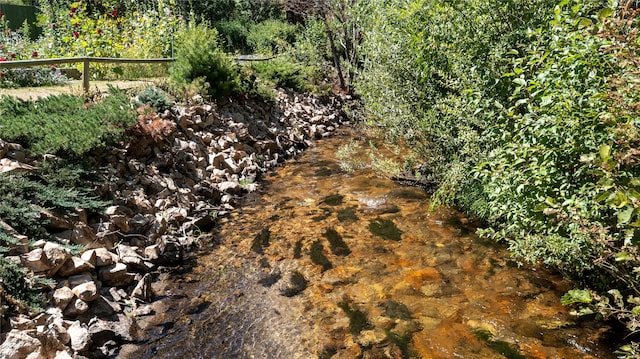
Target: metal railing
<point>86,61</point>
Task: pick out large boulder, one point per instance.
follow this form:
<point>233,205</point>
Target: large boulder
<point>79,337</point>
<point>19,345</point>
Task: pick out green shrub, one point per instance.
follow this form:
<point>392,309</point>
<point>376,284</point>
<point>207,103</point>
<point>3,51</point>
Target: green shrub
<point>271,36</point>
<point>64,123</point>
<point>155,98</point>
<point>19,292</point>
<point>233,35</point>
<point>30,77</point>
<point>56,185</point>
<point>199,58</point>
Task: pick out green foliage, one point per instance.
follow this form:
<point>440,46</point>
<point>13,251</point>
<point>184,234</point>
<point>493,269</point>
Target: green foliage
<point>233,35</point>
<point>31,77</point>
<point>271,36</point>
<point>58,185</point>
<point>155,98</point>
<point>526,115</point>
<point>111,29</point>
<point>199,58</point>
<point>19,291</point>
<point>64,123</point>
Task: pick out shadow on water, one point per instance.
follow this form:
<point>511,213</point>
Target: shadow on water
<point>322,263</point>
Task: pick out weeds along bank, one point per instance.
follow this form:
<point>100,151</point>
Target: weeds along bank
<point>525,113</point>
<point>159,29</point>
<point>84,231</point>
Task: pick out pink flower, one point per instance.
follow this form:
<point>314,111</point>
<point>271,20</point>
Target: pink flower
<point>76,34</point>
<point>13,56</point>
<point>114,13</point>
<point>35,54</point>
<point>3,59</point>
<point>2,74</point>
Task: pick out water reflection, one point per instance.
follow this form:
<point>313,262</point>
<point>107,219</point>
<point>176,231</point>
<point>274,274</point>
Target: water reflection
<point>321,263</point>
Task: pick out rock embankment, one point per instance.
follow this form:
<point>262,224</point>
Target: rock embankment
<point>182,169</point>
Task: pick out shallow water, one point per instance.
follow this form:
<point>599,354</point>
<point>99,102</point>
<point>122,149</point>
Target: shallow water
<point>323,263</point>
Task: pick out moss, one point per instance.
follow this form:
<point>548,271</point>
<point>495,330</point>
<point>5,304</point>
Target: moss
<point>333,200</point>
<point>357,319</point>
<point>347,214</point>
<point>385,228</point>
<point>336,243</point>
<point>317,257</point>
<point>324,172</point>
<point>402,342</point>
<point>396,310</point>
<point>498,346</point>
<point>261,241</point>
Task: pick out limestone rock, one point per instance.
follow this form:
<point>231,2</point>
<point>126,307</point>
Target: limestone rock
<point>119,330</point>
<point>19,345</point>
<point>75,265</point>
<point>79,336</point>
<point>115,275</point>
<point>62,297</point>
<point>104,257</point>
<point>89,257</point>
<point>143,290</point>
<point>86,291</point>
<point>76,307</point>
<point>36,261</point>
<point>56,256</point>
<point>78,279</point>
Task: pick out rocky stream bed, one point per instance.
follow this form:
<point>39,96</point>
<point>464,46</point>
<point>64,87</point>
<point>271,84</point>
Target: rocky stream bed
<point>183,171</point>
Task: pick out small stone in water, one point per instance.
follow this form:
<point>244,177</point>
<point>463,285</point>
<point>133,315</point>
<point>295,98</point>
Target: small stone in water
<point>395,310</point>
<point>296,284</point>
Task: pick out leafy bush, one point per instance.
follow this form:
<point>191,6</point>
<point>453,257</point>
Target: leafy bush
<point>17,290</point>
<point>31,77</point>
<point>65,123</point>
<point>199,58</point>
<point>155,98</point>
<point>59,185</point>
<point>526,115</point>
<point>271,36</point>
<point>233,35</point>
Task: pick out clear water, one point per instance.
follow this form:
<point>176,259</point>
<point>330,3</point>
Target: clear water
<point>437,292</point>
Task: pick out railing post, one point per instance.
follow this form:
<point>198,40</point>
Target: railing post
<point>85,75</point>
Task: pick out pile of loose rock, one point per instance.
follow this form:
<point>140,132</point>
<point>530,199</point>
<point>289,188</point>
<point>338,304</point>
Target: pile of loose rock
<point>184,168</point>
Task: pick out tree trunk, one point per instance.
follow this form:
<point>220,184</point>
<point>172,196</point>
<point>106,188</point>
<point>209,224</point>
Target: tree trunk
<point>334,51</point>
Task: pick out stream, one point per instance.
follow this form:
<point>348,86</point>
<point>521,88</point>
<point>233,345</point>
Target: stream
<point>321,263</point>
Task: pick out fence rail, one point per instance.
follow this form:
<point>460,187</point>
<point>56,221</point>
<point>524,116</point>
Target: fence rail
<point>86,61</point>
